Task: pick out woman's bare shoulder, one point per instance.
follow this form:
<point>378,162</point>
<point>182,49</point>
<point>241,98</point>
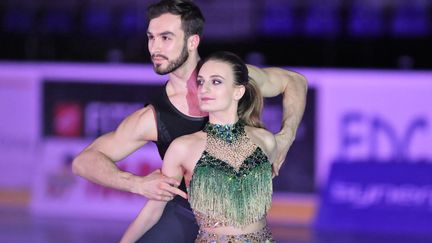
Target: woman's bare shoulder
<point>263,138</point>
<point>185,143</point>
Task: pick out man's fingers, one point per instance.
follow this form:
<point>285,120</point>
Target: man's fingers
<point>164,198</point>
<point>276,170</point>
<point>172,181</point>
<point>277,166</point>
<point>162,194</point>
<point>170,191</point>
<point>165,192</point>
<point>157,171</point>
<point>176,191</point>
<point>173,190</point>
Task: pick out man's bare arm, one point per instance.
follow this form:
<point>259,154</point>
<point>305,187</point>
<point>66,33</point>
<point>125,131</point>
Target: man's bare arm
<point>152,211</point>
<point>97,162</point>
<point>272,82</point>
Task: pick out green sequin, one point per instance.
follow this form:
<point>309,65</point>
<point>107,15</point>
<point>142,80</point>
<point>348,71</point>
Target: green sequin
<point>227,133</point>
<point>224,195</point>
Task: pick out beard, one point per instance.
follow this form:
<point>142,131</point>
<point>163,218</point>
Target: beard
<point>173,65</point>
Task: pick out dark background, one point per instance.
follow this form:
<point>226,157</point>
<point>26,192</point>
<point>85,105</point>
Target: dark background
<point>328,33</point>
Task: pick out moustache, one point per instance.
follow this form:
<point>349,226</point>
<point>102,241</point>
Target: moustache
<point>158,55</point>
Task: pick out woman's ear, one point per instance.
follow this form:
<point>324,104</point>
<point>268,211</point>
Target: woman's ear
<point>239,92</point>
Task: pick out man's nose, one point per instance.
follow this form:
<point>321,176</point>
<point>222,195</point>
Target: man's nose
<point>154,46</point>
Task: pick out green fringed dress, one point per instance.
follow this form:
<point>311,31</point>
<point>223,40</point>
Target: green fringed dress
<point>231,184</point>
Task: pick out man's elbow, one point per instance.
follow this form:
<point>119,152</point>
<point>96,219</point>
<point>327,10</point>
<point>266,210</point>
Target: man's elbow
<point>305,83</point>
<point>300,80</point>
<point>293,79</point>
<point>78,165</point>
<point>300,83</point>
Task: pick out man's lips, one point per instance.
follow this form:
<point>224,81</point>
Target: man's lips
<point>158,58</point>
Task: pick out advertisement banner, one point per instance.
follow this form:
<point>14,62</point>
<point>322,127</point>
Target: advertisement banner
<point>90,109</point>
<point>372,115</point>
<point>58,192</point>
<point>372,196</point>
<point>374,158</point>
<point>19,128</point>
<point>75,112</point>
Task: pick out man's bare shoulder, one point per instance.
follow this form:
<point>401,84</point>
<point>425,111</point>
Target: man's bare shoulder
<point>143,113</point>
<point>140,124</point>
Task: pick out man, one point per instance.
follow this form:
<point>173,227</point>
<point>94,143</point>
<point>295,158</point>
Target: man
<point>174,32</point>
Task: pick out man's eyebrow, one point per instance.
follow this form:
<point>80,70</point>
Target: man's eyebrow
<point>167,33</point>
<point>162,33</point>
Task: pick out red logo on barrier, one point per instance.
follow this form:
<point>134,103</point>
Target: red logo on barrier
<point>67,119</point>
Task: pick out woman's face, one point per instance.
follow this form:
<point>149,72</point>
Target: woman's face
<point>216,88</point>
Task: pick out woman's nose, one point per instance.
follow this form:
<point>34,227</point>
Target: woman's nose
<point>205,87</point>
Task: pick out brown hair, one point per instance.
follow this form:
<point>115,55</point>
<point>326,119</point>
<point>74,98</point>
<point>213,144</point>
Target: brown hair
<point>250,105</point>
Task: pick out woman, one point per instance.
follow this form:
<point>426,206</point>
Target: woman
<point>227,165</point>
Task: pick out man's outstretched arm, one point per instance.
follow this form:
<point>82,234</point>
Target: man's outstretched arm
<point>273,81</point>
<point>97,162</point>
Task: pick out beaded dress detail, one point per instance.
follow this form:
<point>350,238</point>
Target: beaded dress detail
<point>232,181</point>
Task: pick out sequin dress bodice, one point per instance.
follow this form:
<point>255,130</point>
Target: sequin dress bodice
<point>232,181</point>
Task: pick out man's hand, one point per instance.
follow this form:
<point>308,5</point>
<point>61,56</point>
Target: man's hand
<point>156,186</point>
<point>283,143</point>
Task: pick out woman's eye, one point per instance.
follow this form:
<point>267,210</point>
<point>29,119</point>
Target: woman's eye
<point>216,81</point>
<point>199,82</point>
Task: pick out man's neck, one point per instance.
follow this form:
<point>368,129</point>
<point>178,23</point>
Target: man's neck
<point>182,84</point>
<point>180,78</point>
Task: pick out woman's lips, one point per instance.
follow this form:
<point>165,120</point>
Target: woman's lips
<point>206,98</point>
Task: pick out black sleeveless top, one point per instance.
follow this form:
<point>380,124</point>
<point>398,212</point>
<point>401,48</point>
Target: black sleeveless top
<point>171,123</point>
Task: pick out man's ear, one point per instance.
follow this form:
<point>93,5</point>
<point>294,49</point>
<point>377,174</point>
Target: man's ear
<point>239,92</point>
<point>193,42</point>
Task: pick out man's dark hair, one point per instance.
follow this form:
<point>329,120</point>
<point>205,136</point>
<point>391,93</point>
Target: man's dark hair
<point>192,19</point>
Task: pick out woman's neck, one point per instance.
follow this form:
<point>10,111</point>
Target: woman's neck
<point>225,132</point>
<point>225,117</point>
<point>222,120</point>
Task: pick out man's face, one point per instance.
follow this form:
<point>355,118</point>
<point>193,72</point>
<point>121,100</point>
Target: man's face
<point>166,43</point>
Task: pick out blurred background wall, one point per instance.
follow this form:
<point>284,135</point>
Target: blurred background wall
<point>337,33</point>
